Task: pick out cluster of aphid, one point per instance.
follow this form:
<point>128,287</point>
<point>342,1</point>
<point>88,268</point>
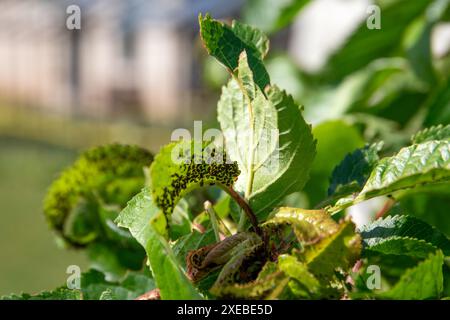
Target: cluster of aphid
<point>95,168</point>
<point>198,171</point>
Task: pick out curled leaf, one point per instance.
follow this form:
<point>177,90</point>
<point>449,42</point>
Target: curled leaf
<point>92,182</point>
<point>309,225</point>
<point>183,166</point>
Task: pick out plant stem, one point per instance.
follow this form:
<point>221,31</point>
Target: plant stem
<point>247,210</point>
<point>212,217</point>
<point>250,172</point>
<point>386,207</point>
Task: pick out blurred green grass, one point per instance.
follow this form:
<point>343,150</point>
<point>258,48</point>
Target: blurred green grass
<point>30,259</point>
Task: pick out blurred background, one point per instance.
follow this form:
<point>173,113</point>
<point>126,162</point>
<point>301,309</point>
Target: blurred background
<point>136,70</point>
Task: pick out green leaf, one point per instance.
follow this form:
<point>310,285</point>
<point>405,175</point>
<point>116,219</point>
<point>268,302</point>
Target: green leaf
<point>420,164</point>
<point>402,246</point>
<point>190,242</point>
<point>338,251</point>
<point>438,105</point>
<point>94,285</point>
<point>107,295</point>
<point>269,278</point>
<point>352,173</point>
<point>57,294</point>
<point>419,51</point>
<point>285,73</point>
<point>226,43</point>
<point>335,139</point>
<point>380,232</point>
<point>312,272</point>
<point>115,261</point>
<point>180,222</point>
<point>242,254</point>
<point>439,132</point>
<point>366,44</point>
<point>425,281</point>
<point>268,138</point>
<point>303,284</point>
<point>110,175</point>
<point>183,166</point>
<point>139,217</point>
<point>419,41</point>
<point>366,90</point>
<point>430,206</point>
<point>271,16</point>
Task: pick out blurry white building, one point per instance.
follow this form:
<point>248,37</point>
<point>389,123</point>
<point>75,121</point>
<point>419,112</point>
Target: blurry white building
<point>133,57</point>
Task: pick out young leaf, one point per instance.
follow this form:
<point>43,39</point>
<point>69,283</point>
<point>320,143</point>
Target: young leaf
<point>439,132</point>
<point>174,177</point>
<point>378,234</point>
<point>138,217</point>
<point>309,225</point>
<point>230,253</point>
<point>336,252</point>
<point>425,281</point>
<point>268,137</point>
<point>269,278</point>
<point>428,162</point>
<point>311,273</point>
<point>226,43</point>
<point>351,174</point>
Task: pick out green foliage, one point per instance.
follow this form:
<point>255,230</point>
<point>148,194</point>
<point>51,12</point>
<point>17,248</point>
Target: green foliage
<point>421,282</point>
<point>352,173</point>
<point>429,205</point>
<point>308,225</point>
<point>267,136</point>
<point>226,43</point>
<point>102,177</point>
<point>57,294</point>
<point>331,254</point>
<point>366,44</point>
<point>438,106</point>
<point>183,166</point>
<point>335,139</point>
<point>270,16</point>
<point>433,133</point>
<point>428,162</point>
<point>292,252</point>
<point>94,286</point>
<point>421,164</point>
<point>396,228</point>
<point>142,218</point>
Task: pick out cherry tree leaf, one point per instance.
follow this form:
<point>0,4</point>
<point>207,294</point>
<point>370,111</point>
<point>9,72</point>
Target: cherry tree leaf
<point>183,166</point>
<point>438,132</point>
<point>424,281</point>
<point>139,217</point>
<point>268,137</point>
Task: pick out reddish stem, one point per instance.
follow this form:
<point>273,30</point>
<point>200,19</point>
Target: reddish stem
<point>245,206</point>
